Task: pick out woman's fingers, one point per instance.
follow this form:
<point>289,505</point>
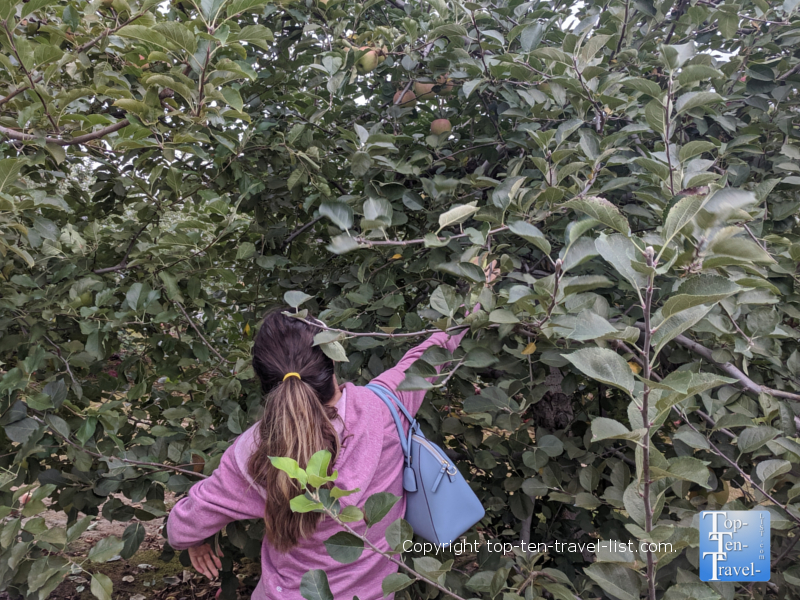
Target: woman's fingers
<point>212,569</point>
<point>197,563</point>
<point>204,561</point>
<point>217,561</point>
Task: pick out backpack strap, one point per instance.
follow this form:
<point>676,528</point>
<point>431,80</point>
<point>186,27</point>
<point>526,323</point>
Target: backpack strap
<point>391,400</point>
<point>409,477</point>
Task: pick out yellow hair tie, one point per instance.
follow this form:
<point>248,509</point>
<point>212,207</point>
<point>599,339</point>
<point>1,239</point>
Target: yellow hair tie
<point>285,377</point>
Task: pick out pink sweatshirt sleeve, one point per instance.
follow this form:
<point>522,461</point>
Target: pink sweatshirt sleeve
<point>391,378</point>
<point>213,503</point>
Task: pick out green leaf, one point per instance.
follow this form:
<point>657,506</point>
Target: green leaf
<point>351,514</point>
<point>106,549</point>
<point>685,468</point>
<point>677,55</point>
<point>342,244</point>
<point>692,100</point>
<point>398,533</point>
<point>457,214</point>
<point>344,547</point>
<point>725,204</point>
<point>257,35</point>
<point>589,325</point>
<point>378,506</point>
<point>245,251</point>
<point>34,5</point>
<point>21,430</point>
<point>9,171</point>
<point>319,463</point>
<point>601,210</point>
<point>290,467</point>
<point>621,253</point>
<point>395,582</point>
<point>314,586</point>
<point>338,212</point>
<point>101,586</point>
<point>236,7</point>
<point>132,538</point>
<point>233,98</point>
<point>443,300</point>
<point>694,148</point>
<point>609,429</point>
<point>531,234</point>
<point>654,115</point>
<point>651,88</point>
<point>753,438</point>
<point>772,468</point>
<point>669,328</point>
<point>603,365</point>
<point>699,290</point>
<point>616,580</point>
<point>302,504</point>
<point>681,215</point>
<point>335,351</point>
<point>295,298</point>
<point>691,73</point>
<point>501,315</point>
<point>503,195</point>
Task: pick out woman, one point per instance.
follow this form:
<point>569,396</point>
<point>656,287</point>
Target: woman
<point>306,410</point>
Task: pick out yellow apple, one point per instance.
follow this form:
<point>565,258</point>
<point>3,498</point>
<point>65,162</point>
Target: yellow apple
<point>440,126</point>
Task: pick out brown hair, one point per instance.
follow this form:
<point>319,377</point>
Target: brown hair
<point>296,421</point>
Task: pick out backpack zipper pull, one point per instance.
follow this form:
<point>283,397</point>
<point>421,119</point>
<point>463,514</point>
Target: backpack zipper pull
<point>439,478</point>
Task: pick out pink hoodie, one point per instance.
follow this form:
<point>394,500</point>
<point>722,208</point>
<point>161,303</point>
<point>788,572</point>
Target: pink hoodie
<point>371,460</point>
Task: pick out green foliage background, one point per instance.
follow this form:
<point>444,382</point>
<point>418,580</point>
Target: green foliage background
<point>170,171</point>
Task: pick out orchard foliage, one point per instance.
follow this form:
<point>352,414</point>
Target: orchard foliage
<point>168,171</point>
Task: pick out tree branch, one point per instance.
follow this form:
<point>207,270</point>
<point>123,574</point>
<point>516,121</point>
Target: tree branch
<point>81,139</point>
<point>739,469</point>
<point>129,461</point>
<point>646,423</point>
<point>729,368</point>
<point>370,243</point>
<point>299,231</point>
<point>620,345</point>
<point>123,264</point>
<point>199,333</point>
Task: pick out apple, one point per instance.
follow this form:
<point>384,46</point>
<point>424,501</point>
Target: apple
<point>423,90</point>
<point>440,126</point>
<point>408,99</point>
<point>445,85</point>
<point>368,61</point>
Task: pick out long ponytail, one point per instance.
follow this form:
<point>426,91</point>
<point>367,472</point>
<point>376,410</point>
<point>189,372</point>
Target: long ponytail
<point>296,422</point>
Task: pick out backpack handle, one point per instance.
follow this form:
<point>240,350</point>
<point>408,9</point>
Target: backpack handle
<point>390,400</point>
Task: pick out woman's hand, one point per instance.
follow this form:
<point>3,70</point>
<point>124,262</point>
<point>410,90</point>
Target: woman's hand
<point>205,561</point>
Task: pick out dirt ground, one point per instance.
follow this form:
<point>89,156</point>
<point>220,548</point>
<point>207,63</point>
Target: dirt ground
<point>142,577</point>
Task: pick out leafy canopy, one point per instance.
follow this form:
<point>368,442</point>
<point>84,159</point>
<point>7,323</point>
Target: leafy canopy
<point>168,171</point>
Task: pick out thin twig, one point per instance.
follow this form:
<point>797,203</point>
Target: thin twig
<point>646,423</point>
<point>739,469</point>
<point>399,563</point>
<point>123,264</point>
<point>129,461</point>
<point>199,333</point>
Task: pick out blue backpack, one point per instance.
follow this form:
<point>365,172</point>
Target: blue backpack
<point>440,505</point>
